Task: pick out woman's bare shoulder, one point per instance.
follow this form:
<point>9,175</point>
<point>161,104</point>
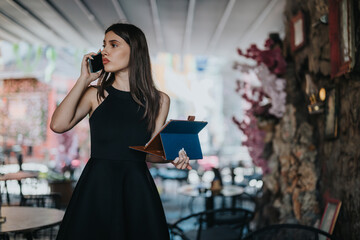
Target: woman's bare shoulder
<point>90,96</point>
<point>91,91</point>
<point>164,98</point>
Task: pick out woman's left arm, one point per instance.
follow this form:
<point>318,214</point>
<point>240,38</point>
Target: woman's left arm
<point>180,162</point>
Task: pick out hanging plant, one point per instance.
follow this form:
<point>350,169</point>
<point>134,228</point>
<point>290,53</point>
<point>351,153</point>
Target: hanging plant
<point>254,141</point>
<point>271,57</point>
<point>272,88</point>
<point>266,101</point>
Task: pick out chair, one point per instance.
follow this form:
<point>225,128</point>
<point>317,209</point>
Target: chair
<point>51,200</point>
<point>302,232</point>
<point>246,201</point>
<point>243,200</point>
<point>225,230</point>
<point>174,176</point>
<point>289,232</point>
<point>4,236</point>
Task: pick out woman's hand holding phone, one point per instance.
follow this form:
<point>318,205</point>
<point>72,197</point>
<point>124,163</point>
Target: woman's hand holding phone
<point>85,70</point>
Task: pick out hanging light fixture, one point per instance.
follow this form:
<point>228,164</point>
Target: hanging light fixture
<point>316,98</point>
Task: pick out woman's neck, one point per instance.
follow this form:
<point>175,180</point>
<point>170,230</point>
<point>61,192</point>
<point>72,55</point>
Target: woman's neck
<point>122,81</point>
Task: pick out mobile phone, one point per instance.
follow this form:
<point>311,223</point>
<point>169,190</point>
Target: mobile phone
<point>96,64</point>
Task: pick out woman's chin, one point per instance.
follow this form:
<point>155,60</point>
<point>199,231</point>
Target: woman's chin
<point>108,69</point>
<point>112,69</point>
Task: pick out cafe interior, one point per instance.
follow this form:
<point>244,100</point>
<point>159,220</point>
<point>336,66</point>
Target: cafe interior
<point>276,81</point>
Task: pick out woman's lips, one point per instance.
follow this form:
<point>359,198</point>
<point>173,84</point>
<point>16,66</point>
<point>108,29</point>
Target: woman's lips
<point>105,61</point>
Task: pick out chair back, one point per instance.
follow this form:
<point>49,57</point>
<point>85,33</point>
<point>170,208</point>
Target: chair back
<point>227,223</point>
<point>51,200</point>
<point>246,201</point>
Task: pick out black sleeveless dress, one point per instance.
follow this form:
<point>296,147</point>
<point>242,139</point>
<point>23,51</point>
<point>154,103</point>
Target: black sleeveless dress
<point>115,197</point>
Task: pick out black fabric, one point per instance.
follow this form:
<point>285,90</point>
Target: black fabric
<point>115,197</point>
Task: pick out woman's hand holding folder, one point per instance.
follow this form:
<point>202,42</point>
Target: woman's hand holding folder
<point>182,161</point>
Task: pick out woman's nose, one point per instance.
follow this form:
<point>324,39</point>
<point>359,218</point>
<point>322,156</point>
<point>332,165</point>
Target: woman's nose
<point>103,52</point>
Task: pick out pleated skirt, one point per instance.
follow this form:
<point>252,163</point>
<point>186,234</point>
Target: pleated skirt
<point>114,199</point>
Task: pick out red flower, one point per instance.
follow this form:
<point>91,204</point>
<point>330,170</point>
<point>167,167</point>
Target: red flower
<point>272,58</point>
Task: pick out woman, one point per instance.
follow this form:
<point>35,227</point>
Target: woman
<point>115,197</point>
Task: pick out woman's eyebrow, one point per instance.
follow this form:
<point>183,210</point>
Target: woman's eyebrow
<point>112,41</point>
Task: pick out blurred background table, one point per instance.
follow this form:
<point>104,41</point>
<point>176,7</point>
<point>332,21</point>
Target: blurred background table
<point>29,219</point>
<point>195,191</point>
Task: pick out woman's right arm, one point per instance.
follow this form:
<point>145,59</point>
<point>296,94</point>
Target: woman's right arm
<point>78,103</point>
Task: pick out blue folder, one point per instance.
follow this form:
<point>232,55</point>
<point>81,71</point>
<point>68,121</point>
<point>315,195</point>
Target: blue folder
<point>175,135</point>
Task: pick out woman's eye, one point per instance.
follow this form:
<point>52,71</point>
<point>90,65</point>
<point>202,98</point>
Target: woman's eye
<point>114,45</point>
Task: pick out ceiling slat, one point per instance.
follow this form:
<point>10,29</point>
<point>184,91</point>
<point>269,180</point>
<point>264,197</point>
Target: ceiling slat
<point>189,26</point>
<point>90,15</point>
<point>220,27</point>
<point>8,36</point>
<point>28,13</point>
<point>258,21</point>
<point>157,25</point>
<point>10,21</point>
<point>208,14</point>
<point>55,11</point>
<point>119,10</point>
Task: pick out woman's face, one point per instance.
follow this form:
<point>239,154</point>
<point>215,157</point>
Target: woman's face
<point>116,53</point>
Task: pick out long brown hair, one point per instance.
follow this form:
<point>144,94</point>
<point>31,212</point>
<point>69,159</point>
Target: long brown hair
<point>142,87</point>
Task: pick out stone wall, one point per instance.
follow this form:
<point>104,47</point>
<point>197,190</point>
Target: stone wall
<point>308,168</point>
<point>339,159</point>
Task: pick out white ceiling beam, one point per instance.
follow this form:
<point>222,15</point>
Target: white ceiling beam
<point>157,25</point>
<point>119,11</point>
<point>10,37</point>
<point>220,27</point>
<point>57,12</point>
<point>31,15</point>
<point>189,26</point>
<point>92,18</point>
<point>257,22</point>
<point>11,21</point>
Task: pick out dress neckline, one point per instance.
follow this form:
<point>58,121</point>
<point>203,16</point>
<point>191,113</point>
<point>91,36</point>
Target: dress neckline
<point>118,93</point>
<point>119,89</point>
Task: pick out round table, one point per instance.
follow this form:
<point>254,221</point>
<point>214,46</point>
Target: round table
<point>196,191</point>
<point>29,219</point>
